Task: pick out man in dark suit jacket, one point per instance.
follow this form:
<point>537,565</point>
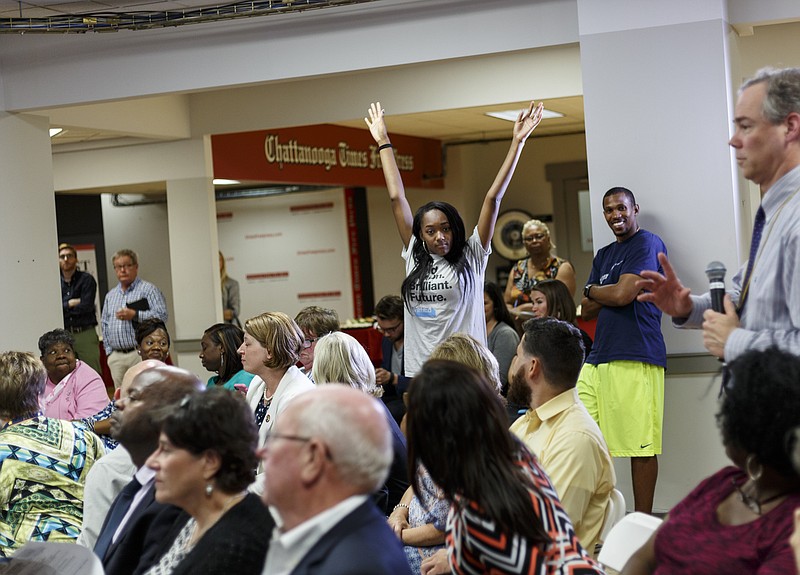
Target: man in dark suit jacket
<point>135,516</point>
<point>330,448</point>
<point>389,320</point>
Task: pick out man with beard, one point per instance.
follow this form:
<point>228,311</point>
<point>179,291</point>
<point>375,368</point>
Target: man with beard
<point>389,321</point>
<point>135,517</point>
<point>557,427</point>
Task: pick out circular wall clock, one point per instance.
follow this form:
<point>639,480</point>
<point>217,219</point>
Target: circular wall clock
<point>507,238</point>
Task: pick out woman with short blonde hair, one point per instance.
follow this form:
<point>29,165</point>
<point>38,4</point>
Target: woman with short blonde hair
<point>271,347</point>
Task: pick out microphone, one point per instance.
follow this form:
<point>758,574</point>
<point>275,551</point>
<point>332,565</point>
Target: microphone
<point>716,283</point>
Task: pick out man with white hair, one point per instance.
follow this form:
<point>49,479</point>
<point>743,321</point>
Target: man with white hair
<point>328,451</point>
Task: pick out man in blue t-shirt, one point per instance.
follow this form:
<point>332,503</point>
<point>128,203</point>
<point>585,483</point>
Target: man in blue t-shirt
<point>622,382</point>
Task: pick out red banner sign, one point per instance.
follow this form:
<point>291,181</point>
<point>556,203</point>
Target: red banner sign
<point>323,155</point>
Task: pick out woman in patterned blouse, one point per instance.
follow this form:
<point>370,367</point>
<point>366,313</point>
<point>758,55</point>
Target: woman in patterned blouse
<point>539,265</point>
<point>505,516</point>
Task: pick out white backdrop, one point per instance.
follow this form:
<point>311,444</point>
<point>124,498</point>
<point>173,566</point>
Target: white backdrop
<point>288,252</point>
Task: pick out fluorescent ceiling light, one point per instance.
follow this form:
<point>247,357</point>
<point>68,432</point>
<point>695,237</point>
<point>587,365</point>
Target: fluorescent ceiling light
<point>55,131</point>
<point>223,182</point>
<point>511,115</point>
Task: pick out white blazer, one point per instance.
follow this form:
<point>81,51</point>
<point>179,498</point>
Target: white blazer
<point>293,383</point>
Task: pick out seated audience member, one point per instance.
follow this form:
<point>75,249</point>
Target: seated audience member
<point>43,461</point>
<point>220,353</point>
<point>135,517</point>
<point>152,340</point>
<point>740,519</point>
<point>419,522</point>
<point>111,473</point>
<point>315,322</point>
<point>205,461</point>
<point>389,321</point>
<point>505,515</point>
<point>557,428</point>
<point>272,343</point>
<point>466,350</point>
<point>551,298</point>
<point>330,449</point>
<point>339,358</point>
<point>73,389</point>
<point>501,333</point>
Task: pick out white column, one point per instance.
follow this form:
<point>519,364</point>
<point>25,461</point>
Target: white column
<point>658,101</point>
<point>195,266</point>
<point>29,290</point>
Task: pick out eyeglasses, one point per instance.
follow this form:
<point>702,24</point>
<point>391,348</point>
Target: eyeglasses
<point>123,266</point>
<point>273,435</point>
<point>309,342</point>
<point>529,239</point>
<point>66,256</point>
<point>387,330</point>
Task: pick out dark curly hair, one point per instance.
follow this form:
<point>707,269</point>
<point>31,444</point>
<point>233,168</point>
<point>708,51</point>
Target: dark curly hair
<point>761,405</point>
<point>53,337</point>
<point>446,399</point>
<point>423,262</point>
<point>220,421</point>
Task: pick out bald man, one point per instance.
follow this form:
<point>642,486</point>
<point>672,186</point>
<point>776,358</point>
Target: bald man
<point>328,451</point>
<point>135,517</point>
<point>111,472</point>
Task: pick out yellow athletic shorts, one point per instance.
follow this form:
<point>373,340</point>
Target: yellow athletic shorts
<point>626,399</point>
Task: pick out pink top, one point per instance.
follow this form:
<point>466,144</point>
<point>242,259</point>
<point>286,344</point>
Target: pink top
<point>80,394</point>
<point>693,541</point>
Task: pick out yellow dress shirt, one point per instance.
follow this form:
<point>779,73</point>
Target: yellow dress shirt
<point>571,449</point>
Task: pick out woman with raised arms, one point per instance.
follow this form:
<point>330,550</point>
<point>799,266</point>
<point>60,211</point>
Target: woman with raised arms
<point>443,289</point>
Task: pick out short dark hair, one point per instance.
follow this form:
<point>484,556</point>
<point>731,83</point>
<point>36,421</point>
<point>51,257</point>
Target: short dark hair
<point>230,338</point>
<point>219,421</point>
<point>22,381</point>
<point>51,338</point>
<point>558,345</point>
<point>147,327</point>
<point>620,190</point>
<point>389,307</point>
<point>761,405</point>
<point>317,320</point>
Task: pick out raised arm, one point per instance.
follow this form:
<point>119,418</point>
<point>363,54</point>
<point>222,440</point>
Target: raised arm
<point>524,126</point>
<point>665,291</point>
<point>397,193</point>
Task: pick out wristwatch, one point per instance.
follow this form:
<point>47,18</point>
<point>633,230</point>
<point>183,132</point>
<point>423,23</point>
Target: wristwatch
<point>586,291</point>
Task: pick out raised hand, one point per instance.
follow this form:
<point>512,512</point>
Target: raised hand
<point>376,124</point>
<point>527,121</point>
<point>665,291</point>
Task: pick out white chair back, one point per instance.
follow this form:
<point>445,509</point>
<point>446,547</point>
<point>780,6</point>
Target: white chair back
<point>625,538</point>
<point>614,513</point>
